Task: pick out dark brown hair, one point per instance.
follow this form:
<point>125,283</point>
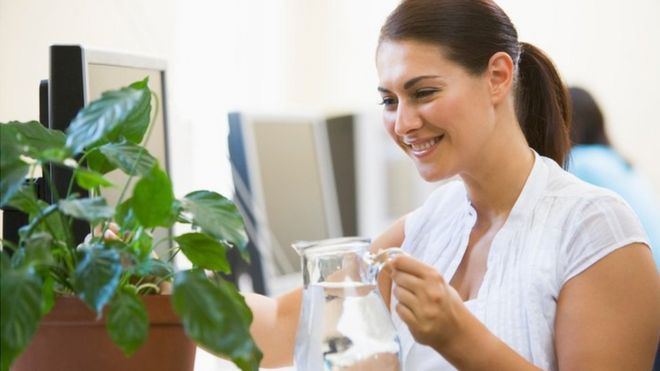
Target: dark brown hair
<point>470,32</point>
<point>587,122</point>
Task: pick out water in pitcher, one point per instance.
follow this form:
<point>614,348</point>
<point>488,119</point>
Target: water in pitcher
<point>345,326</point>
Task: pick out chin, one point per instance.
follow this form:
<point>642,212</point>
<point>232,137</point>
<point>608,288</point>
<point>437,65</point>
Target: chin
<point>432,175</point>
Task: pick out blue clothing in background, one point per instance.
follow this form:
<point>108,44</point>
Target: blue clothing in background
<point>602,166</point>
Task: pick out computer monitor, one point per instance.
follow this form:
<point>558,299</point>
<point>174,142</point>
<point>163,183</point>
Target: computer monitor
<point>341,138</point>
<point>283,176</point>
<point>78,75</point>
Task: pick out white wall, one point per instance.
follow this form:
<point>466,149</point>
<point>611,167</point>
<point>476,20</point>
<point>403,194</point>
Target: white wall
<point>281,55</point>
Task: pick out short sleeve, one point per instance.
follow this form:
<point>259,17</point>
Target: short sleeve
<point>601,225</point>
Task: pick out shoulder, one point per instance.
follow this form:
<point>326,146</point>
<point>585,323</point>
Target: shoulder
<point>585,205</point>
<point>593,221</point>
<point>574,192</point>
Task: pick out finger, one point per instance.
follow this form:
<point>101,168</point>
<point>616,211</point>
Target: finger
<point>407,280</point>
<point>406,315</point>
<point>407,264</point>
<point>113,227</point>
<point>405,296</point>
<point>109,235</point>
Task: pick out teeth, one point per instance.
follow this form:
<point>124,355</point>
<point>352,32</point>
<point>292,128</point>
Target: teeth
<point>424,146</point>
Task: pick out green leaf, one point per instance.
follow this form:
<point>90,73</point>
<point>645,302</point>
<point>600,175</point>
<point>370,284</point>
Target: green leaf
<point>23,139</point>
<point>154,267</point>
<point>38,249</point>
<point>141,84</point>
<point>13,176</point>
<point>93,210</point>
<point>48,295</point>
<point>25,200</point>
<point>110,113</point>
<point>12,169</point>
<point>216,317</point>
<point>56,155</point>
<point>127,321</point>
<point>54,223</point>
<point>90,179</point>
<point>11,148</point>
<point>35,138</point>
<point>204,251</point>
<point>217,216</point>
<point>130,158</point>
<point>97,276</point>
<point>21,311</point>
<point>5,260</point>
<point>142,243</point>
<point>98,162</point>
<point>153,199</point>
<point>124,215</point>
<point>136,125</point>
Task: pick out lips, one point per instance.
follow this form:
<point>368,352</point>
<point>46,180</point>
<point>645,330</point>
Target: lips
<point>423,147</point>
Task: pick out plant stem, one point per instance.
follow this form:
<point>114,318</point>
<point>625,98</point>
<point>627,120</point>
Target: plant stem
<point>45,212</point>
<point>64,220</point>
<point>73,174</point>
<point>8,244</point>
<point>148,285</point>
<point>171,258</point>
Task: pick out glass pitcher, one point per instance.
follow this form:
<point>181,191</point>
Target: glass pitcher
<point>344,323</point>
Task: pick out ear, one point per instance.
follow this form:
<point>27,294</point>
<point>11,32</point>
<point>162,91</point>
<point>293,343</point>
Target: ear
<point>500,76</point>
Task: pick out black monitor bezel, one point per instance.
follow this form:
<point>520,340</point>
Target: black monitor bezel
<point>68,88</point>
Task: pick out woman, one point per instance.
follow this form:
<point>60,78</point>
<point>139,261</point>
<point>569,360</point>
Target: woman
<point>517,265</point>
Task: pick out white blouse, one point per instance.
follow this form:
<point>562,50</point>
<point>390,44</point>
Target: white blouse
<point>558,227</point>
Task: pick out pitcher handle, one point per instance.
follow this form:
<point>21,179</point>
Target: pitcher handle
<point>378,260</point>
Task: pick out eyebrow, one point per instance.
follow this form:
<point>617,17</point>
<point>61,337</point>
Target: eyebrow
<point>408,84</point>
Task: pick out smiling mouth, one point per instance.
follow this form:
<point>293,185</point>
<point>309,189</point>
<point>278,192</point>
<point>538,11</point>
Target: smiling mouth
<point>420,149</point>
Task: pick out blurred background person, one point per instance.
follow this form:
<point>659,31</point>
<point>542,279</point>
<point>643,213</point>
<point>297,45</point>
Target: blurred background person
<point>594,160</point>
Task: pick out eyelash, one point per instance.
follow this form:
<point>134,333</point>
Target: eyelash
<point>419,94</point>
<point>424,93</point>
<point>387,101</point>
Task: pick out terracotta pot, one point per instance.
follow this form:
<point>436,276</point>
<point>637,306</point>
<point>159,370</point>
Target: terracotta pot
<point>70,338</point>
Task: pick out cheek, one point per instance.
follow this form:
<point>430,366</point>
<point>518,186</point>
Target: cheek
<point>389,120</point>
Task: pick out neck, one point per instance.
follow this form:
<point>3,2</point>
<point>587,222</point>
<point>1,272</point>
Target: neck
<point>496,181</point>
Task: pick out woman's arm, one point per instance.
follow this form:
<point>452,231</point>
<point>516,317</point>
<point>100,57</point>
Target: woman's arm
<point>274,326</point>
<point>608,317</point>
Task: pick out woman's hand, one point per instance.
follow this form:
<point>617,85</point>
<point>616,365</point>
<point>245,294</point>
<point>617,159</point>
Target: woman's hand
<point>427,304</point>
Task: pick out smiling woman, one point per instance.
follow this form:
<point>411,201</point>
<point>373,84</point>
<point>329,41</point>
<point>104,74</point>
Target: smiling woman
<point>507,258</point>
<point>516,258</point>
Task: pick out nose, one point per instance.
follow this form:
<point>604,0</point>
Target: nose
<point>407,119</point>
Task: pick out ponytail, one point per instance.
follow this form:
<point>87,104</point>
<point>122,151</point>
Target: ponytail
<point>542,105</point>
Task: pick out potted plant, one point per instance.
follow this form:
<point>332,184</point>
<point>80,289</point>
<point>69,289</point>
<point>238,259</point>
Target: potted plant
<point>111,276</point>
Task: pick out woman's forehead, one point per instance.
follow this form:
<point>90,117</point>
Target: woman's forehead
<point>400,60</point>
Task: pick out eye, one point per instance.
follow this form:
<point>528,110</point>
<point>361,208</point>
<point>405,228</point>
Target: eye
<point>388,102</point>
<point>423,93</point>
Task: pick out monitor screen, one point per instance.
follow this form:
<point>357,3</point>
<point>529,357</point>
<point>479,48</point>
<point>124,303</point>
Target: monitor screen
<point>80,75</point>
<point>285,188</point>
